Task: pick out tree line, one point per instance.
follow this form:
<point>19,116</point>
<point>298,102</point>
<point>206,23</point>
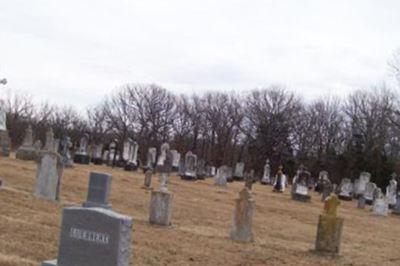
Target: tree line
<point>343,136</point>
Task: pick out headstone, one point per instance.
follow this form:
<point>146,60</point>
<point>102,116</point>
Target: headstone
<point>396,209</point>
<point>176,158</point>
<point>222,176</point>
<point>82,155</point>
<point>161,207</point>
<point>330,227</point>
<point>190,166</point>
<point>48,175</point>
<point>5,142</point>
<point>112,154</point>
<point>243,217</point>
<point>369,193</point>
<point>326,185</point>
<point>391,193</point>
<point>380,206</point>
<point>300,186</point>
<point>147,179</point>
<point>279,181</point>
<point>249,180</point>
<point>65,153</point>
<point>239,171</point>
<point>98,191</point>
<point>201,169</point>
<point>151,159</point>
<point>213,171</point>
<point>361,202</point>
<point>27,151</point>
<point>266,179</point>
<point>229,176</point>
<point>346,189</point>
<point>132,163</point>
<point>361,183</point>
<point>97,155</point>
<point>93,237</point>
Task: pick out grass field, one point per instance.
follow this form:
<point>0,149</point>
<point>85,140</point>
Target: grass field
<point>284,230</point>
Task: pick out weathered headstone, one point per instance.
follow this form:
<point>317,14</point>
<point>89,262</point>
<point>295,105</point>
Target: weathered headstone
<point>361,202</point>
<point>361,183</point>
<point>65,153</point>
<point>346,189</point>
<point>239,171</point>
<point>300,186</point>
<point>391,193</point>
<point>380,206</point>
<point>222,176</point>
<point>190,166</point>
<point>201,169</point>
<point>48,175</point>
<point>98,191</point>
<point>93,237</point>
<point>396,209</point>
<point>82,155</point>
<point>112,154</point>
<point>161,207</point>
<point>27,151</point>
<point>249,179</point>
<point>369,193</point>
<point>132,163</point>
<point>330,227</point>
<point>5,142</point>
<point>151,159</point>
<point>279,181</point>
<point>243,217</point>
<point>266,179</point>
<point>176,158</point>
<point>147,179</point>
<point>326,185</point>
<point>97,154</point>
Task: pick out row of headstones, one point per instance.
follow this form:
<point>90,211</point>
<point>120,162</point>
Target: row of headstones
<point>95,235</point>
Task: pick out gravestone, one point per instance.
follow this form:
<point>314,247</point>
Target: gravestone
<point>300,186</point>
<point>5,142</point>
<point>346,189</point>
<point>249,179</point>
<point>325,184</point>
<point>243,217</point>
<point>380,206</point>
<point>112,154</point>
<point>396,209</point>
<point>329,232</point>
<point>82,155</point>
<point>27,151</point>
<point>213,171</point>
<point>229,176</point>
<point>93,237</point>
<point>161,207</point>
<point>266,179</point>
<point>147,179</point>
<point>190,166</point>
<point>151,159</point>
<point>65,153</point>
<point>132,164</point>
<point>361,202</point>
<point>176,158</point>
<point>98,191</point>
<point>201,169</point>
<point>97,154</point>
<point>391,193</point>
<point>222,176</point>
<point>369,193</point>
<point>361,183</point>
<point>238,174</point>
<point>48,175</point>
<point>279,181</point>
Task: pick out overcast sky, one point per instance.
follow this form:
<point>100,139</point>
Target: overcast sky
<point>75,52</point>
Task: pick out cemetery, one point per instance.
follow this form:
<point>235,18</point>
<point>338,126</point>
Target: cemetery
<point>237,133</point>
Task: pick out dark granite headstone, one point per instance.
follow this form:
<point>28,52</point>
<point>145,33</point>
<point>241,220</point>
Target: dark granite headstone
<point>99,189</point>
<point>361,202</point>
<point>93,237</point>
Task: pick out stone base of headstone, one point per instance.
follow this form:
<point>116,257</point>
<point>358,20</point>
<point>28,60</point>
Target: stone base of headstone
<point>346,198</point>
<point>329,234</point>
<point>189,177</point>
<point>27,154</point>
<point>97,161</point>
<point>161,207</point>
<point>5,144</point>
<point>81,159</point>
<point>238,178</point>
<point>49,263</point>
<point>89,204</point>
<point>369,201</point>
<point>131,167</point>
<point>300,197</point>
<point>361,202</point>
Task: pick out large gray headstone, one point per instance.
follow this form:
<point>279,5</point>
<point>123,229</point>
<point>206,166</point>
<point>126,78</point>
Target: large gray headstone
<point>98,191</point>
<point>93,237</point>
<point>48,176</point>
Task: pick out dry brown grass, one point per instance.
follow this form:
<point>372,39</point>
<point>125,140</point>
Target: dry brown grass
<point>284,230</point>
